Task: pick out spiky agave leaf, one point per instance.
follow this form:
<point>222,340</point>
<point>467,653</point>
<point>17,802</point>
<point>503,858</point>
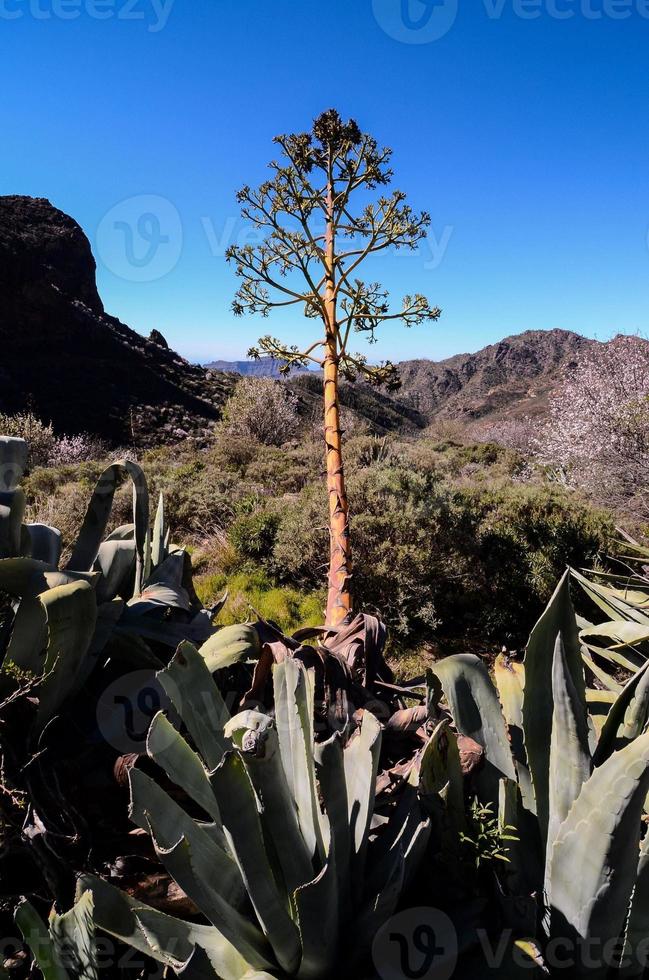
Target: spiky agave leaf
<point>594,857</point>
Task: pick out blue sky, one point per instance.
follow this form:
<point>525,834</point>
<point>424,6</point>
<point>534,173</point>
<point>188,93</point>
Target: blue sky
<point>521,125</point>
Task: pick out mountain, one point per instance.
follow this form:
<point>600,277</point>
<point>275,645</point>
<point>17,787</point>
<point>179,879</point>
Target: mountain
<point>265,367</point>
<point>67,360</point>
<point>505,380</point>
<point>376,410</point>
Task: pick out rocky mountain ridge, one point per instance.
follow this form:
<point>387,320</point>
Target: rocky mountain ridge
<point>72,364</point>
<point>67,360</point>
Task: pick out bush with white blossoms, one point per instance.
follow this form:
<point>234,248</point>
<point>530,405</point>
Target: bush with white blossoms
<point>598,430</point>
<point>69,450</point>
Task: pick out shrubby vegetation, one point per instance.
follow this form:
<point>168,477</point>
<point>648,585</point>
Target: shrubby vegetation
<point>596,435</point>
<point>46,448</point>
<point>464,539</point>
<point>260,409</point>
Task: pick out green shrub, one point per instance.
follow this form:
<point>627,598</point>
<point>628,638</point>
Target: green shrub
<point>253,535</point>
<point>38,434</point>
<point>438,559</point>
<point>250,590</point>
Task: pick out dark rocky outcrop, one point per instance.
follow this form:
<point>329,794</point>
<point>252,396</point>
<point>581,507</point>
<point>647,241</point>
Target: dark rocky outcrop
<point>66,359</point>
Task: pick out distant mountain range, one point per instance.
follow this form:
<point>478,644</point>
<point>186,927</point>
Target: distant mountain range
<point>265,367</point>
<point>513,377</point>
<point>67,360</point>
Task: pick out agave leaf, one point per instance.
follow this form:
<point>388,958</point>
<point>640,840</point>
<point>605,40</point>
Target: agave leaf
<point>71,613</point>
<point>67,950</point>
<point>524,873</point>
<point>361,763</point>
<point>155,811</point>
<point>204,871</point>
<point>611,601</point>
<point>278,811</point>
<point>330,768</point>
<point>621,655</point>
<point>45,544</point>
<point>98,513</point>
<point>163,589</point>
<point>158,548</point>
<point>229,646</point>
<point>73,936</point>
<point>595,853</point>
<point>238,805</point>
<point>538,704</point>
<point>51,639</point>
<point>627,717</point>
<point>116,562</point>
<point>407,833</point>
<point>634,955</point>
<point>125,532</point>
<point>166,939</point>
<point>192,691</point>
<point>623,632</point>
<point>602,675</point>
<point>293,688</point>
<point>171,752</point>
<point>476,712</point>
<point>28,641</point>
<point>318,921</point>
<point>381,905</point>
<point>12,512</point>
<point>570,761</point>
<point>510,682</point>
<point>27,577</point>
<point>441,785</point>
<point>37,937</point>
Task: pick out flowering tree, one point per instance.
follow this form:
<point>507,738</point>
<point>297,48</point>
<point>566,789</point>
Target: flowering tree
<point>320,224</point>
<point>598,431</point>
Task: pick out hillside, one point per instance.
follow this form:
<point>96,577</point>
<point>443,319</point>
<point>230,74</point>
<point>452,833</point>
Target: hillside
<point>504,380</point>
<point>71,363</point>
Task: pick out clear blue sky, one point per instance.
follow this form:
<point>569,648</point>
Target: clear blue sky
<point>526,137</point>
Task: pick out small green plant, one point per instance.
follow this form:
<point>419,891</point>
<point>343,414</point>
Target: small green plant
<point>488,839</point>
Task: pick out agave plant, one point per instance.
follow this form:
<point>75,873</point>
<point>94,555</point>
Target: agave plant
<point>128,583</point>
<point>275,844</point>
<point>65,948</point>
<point>620,644</point>
<point>575,795</point>
<point>122,603</point>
